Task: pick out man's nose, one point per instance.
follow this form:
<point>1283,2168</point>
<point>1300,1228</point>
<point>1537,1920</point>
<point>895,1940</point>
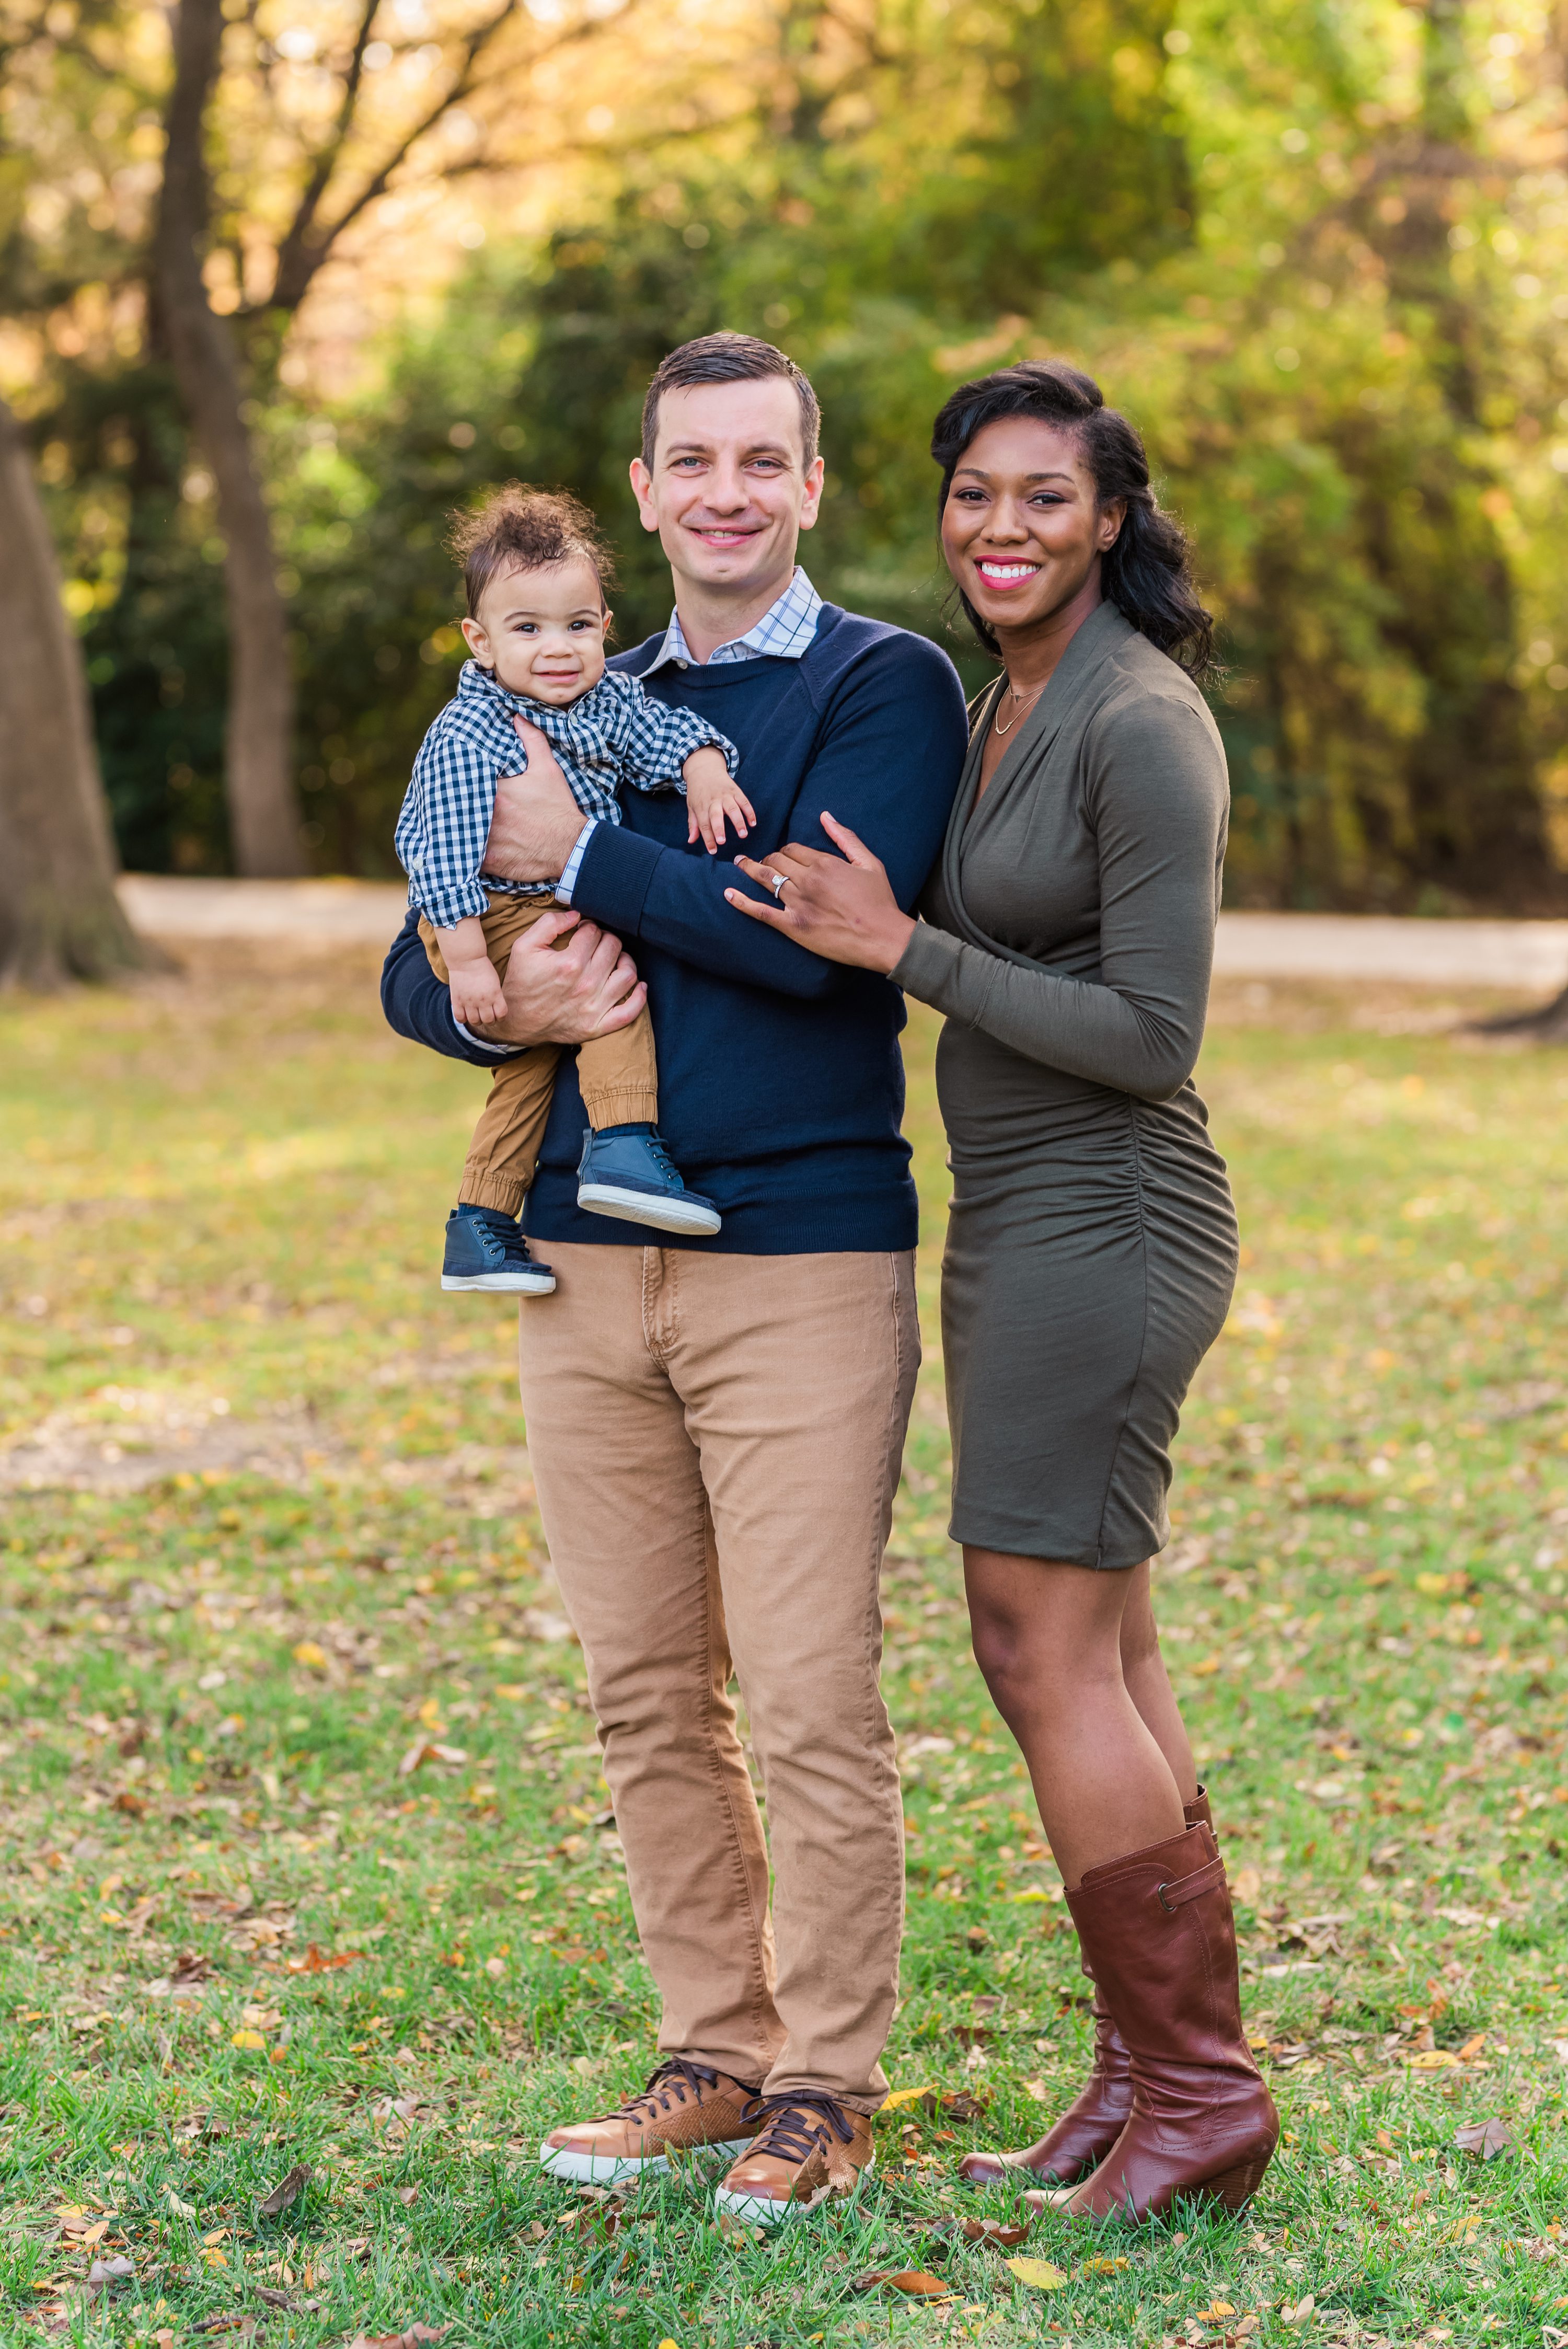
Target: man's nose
<point>727,489</point>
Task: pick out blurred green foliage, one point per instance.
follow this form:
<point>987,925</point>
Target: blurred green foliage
<point>1314,251</point>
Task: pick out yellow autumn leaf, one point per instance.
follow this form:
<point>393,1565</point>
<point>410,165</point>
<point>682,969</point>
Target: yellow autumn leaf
<point>1434,2059</point>
<point>247,2039</point>
<point>308,1652</point>
<point>1217,2308</point>
<point>897,2098</point>
<point>1102,2267</point>
<point>1038,2275</point>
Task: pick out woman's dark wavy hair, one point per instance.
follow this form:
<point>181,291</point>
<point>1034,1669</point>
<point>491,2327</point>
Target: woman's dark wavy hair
<point>1147,572</point>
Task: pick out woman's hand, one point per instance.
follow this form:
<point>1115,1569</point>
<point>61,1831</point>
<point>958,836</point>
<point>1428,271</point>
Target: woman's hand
<point>844,910</point>
<point>536,820</point>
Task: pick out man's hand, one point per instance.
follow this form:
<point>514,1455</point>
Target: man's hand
<point>564,995</point>
<point>536,822</point>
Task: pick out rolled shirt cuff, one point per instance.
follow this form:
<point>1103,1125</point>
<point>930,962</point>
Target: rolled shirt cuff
<point>486,1044</point>
<point>573,864</point>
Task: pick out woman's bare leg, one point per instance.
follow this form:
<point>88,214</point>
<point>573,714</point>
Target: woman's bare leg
<point>1149,1683</point>
<point>1047,1638</point>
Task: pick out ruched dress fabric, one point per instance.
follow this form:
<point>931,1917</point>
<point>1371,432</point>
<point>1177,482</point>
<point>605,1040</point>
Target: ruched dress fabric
<point>1067,935</point>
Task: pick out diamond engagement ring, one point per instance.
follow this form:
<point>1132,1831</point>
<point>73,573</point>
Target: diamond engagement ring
<point>776,882</point>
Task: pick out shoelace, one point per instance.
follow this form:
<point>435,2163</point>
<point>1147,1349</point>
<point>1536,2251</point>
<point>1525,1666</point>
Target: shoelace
<point>664,1162</point>
<point>787,2132</point>
<point>664,2090</point>
<point>494,1236</point>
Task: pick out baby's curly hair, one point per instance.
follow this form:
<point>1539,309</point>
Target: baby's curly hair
<point>523,529</point>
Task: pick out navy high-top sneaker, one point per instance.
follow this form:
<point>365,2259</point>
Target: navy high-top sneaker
<point>486,1249</point>
<point>626,1172</point>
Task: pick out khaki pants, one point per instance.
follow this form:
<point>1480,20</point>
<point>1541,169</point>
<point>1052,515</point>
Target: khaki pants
<point>716,1441</point>
<point>618,1076</point>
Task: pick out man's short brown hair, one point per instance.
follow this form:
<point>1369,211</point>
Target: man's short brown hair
<point>727,358</point>
<point>522,529</point>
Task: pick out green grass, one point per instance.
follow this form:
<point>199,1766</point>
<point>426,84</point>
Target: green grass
<point>228,1191</point>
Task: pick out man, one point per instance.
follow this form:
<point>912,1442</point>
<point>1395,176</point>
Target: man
<point>715,1427</point>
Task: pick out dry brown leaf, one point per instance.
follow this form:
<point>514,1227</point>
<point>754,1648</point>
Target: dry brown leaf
<point>102,2272</point>
<point>916,2284</point>
<point>312,1961</point>
<point>1486,2139</point>
<point>285,2193</point>
<point>410,2339</point>
<point>428,1750</point>
<point>406,2194</point>
<point>993,2231</point>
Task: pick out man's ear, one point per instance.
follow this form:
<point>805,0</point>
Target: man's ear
<point>478,642</point>
<point>643,490</point>
<point>812,500</point>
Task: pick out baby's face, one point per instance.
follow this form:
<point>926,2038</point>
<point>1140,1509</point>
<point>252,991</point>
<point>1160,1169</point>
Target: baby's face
<point>542,632</point>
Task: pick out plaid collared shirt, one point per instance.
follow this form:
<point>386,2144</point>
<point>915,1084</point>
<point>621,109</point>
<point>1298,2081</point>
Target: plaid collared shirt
<point>785,632</point>
<point>615,734</point>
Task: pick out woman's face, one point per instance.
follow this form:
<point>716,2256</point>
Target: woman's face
<point>1021,530</point>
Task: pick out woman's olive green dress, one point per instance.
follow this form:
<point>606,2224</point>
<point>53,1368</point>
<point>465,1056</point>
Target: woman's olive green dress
<point>1091,1254</point>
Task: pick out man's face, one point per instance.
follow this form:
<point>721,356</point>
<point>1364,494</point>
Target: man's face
<point>730,490</point>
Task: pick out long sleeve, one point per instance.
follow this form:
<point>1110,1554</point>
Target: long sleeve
<point>418,1006</point>
<point>654,739</point>
<point>1157,798</point>
<point>893,745</point>
<point>446,816</point>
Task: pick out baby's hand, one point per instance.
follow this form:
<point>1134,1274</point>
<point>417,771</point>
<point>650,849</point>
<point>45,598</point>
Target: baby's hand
<point>476,991</point>
<point>711,795</point>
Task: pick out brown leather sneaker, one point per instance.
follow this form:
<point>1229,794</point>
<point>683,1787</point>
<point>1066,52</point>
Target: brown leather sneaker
<point>683,2105</point>
<point>809,2147</point>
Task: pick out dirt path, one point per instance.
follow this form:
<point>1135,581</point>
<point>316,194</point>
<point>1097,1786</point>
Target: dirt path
<point>1532,956</point>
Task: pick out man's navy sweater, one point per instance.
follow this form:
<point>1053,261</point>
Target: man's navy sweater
<point>781,1083</point>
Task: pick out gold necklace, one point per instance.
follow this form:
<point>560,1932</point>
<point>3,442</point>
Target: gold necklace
<point>1018,708</point>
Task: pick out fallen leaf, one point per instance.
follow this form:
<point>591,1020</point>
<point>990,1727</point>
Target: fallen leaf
<point>181,2210</point>
<point>991,2230</point>
<point>1299,2314</point>
<point>1472,2046</point>
<point>406,2194</point>
<point>242,2324</point>
<point>102,2272</point>
<point>428,1750</point>
<point>411,2338</point>
<point>897,2098</point>
<point>962,2107</point>
<point>1215,2310</point>
<point>916,2284</point>
<point>1434,2059</point>
<point>312,1961</point>
<point>1102,2267</point>
<point>1487,2138</point>
<point>246,2039</point>
<point>1038,2275</point>
<point>309,1652</point>
<point>1245,1887</point>
<point>285,2193</point>
<point>1038,2090</point>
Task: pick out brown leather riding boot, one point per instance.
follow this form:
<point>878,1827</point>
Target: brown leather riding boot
<point>1096,2115</point>
<point>1157,1930</point>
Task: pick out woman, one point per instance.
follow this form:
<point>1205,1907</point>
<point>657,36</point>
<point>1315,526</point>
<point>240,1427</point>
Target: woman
<point>1067,935</point>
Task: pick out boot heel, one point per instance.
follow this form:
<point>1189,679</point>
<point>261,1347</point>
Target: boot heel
<point>1235,2188</point>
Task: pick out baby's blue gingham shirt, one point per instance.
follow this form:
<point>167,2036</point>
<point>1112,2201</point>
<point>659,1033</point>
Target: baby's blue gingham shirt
<point>615,734</point>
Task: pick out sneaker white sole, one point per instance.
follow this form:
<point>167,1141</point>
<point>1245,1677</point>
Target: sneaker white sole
<point>498,1284</point>
<point>604,2170</point>
<point>677,1215</point>
<point>764,2211</point>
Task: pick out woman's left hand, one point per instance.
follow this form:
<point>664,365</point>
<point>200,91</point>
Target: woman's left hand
<point>840,907</point>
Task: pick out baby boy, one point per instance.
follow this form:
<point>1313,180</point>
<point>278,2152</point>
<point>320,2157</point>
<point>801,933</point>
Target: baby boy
<point>535,570</point>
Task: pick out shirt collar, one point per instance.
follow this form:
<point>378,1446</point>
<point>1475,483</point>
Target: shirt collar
<point>785,632</point>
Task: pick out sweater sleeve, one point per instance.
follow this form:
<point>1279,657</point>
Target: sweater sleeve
<point>1157,796</point>
<point>886,766</point>
<point>417,1005</point>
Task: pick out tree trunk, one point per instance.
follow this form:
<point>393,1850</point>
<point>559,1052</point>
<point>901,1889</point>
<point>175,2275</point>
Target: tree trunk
<point>1548,1023</point>
<point>263,812</point>
<point>60,917</point>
